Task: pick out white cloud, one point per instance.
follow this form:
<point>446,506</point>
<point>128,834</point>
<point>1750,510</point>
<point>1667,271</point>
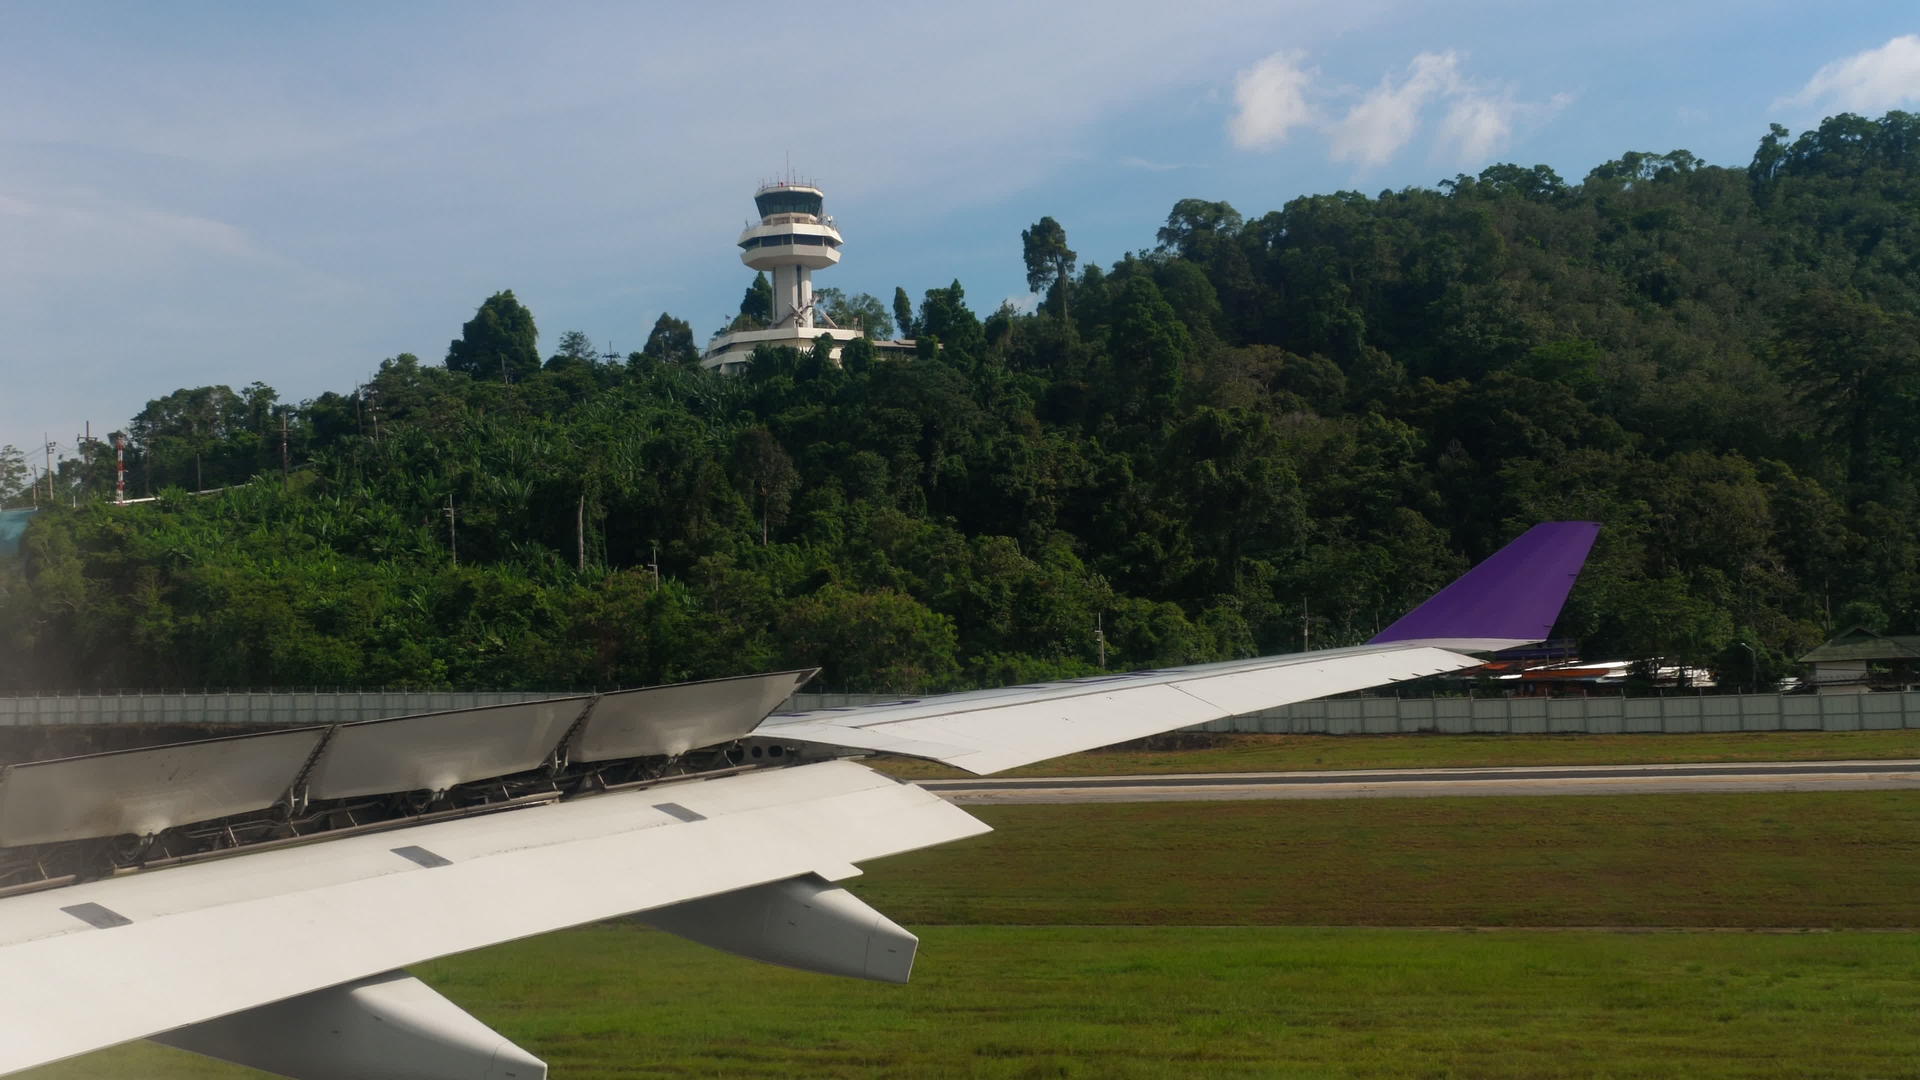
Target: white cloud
<point>81,233</point>
<point>1479,125</point>
<point>1476,126</point>
<point>1868,81</point>
<point>1270,100</point>
<point>1375,130</point>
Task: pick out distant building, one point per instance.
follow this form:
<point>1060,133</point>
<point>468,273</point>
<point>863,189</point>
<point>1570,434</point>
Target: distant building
<point>1861,660</point>
<point>795,237</point>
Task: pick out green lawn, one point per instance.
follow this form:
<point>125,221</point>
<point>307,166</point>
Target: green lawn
<point>1180,1002</point>
<point>1305,753</point>
<point>1830,859</point>
<point>1279,939</point>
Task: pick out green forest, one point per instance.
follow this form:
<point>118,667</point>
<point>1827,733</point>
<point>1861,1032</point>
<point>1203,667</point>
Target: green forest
<point>1258,434</point>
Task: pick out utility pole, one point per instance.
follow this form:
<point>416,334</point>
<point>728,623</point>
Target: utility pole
<point>1306,627</point>
<point>580,533</point>
<point>283,447</point>
<point>655,564</point>
<point>1100,636</point>
<point>50,449</point>
<point>82,444</point>
<point>453,542</point>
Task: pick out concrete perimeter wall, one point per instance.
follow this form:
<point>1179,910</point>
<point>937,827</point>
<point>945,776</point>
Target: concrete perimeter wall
<point>242,709</point>
<point>1340,716</point>
<point>1585,715</point>
<point>1541,716</point>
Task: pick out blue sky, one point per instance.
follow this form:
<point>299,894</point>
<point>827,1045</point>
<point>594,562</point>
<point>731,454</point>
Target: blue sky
<point>197,193</point>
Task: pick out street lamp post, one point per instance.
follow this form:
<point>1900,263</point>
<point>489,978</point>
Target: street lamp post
<point>1753,668</point>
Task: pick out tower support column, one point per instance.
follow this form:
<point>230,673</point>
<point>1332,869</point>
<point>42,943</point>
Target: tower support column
<point>792,292</point>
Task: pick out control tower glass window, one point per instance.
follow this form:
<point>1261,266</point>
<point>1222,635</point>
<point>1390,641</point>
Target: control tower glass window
<point>789,240</point>
<point>787,202</point>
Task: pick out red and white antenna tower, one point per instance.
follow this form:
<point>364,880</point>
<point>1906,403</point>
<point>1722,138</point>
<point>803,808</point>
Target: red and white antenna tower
<point>119,468</point>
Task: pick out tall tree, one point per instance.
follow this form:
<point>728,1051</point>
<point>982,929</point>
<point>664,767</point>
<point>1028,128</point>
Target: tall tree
<point>498,343</point>
<point>902,312</point>
<point>763,468</point>
<point>13,472</point>
<point>670,342</point>
<point>944,315</point>
<point>1858,366</point>
<point>576,345</point>
<point>1049,261</point>
<point>1195,227</point>
<point>198,437</point>
<point>1148,346</point>
<point>756,305</point>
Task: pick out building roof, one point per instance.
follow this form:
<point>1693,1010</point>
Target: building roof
<point>1862,644</point>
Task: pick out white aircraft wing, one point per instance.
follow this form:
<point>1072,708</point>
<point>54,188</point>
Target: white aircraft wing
<point>145,953</point>
<point>992,730</point>
<point>1510,599</point>
<point>256,898</point>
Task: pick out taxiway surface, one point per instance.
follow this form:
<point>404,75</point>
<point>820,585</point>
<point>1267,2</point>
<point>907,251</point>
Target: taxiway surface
<point>1419,783</point>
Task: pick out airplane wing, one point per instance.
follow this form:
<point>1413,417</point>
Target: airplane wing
<point>257,898</point>
<point>1511,599</point>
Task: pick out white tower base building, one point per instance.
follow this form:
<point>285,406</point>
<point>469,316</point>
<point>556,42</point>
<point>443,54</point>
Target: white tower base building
<point>795,237</point>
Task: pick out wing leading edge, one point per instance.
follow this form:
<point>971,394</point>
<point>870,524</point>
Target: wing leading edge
<point>1511,599</point>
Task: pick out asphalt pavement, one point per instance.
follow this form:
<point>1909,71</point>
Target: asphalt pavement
<point>1428,783</point>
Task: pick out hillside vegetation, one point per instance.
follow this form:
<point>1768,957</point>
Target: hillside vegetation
<point>1261,431</point>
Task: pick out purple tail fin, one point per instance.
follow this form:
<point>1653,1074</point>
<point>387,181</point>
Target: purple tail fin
<point>1515,595</point>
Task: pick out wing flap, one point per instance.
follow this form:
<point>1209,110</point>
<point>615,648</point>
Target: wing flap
<point>233,934</point>
<point>144,791</point>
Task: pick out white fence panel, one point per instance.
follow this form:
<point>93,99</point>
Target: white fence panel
<point>1337,716</point>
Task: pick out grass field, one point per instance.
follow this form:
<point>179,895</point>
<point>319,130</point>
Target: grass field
<point>1306,753</point>
<point>1829,859</point>
<point>1215,964</point>
<point>1180,1002</point>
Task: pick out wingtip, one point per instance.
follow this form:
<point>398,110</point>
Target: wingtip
<point>1516,593</point>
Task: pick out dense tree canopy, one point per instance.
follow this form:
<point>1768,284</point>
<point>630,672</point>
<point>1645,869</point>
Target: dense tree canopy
<point>498,343</point>
<point>1265,429</point>
<point>861,311</point>
<point>756,305</point>
<point>670,342</point>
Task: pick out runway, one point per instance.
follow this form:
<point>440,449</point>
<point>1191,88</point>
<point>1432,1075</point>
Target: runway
<point>1429,783</point>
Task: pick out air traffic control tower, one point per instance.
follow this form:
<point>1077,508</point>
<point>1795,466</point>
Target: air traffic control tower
<point>795,237</point>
